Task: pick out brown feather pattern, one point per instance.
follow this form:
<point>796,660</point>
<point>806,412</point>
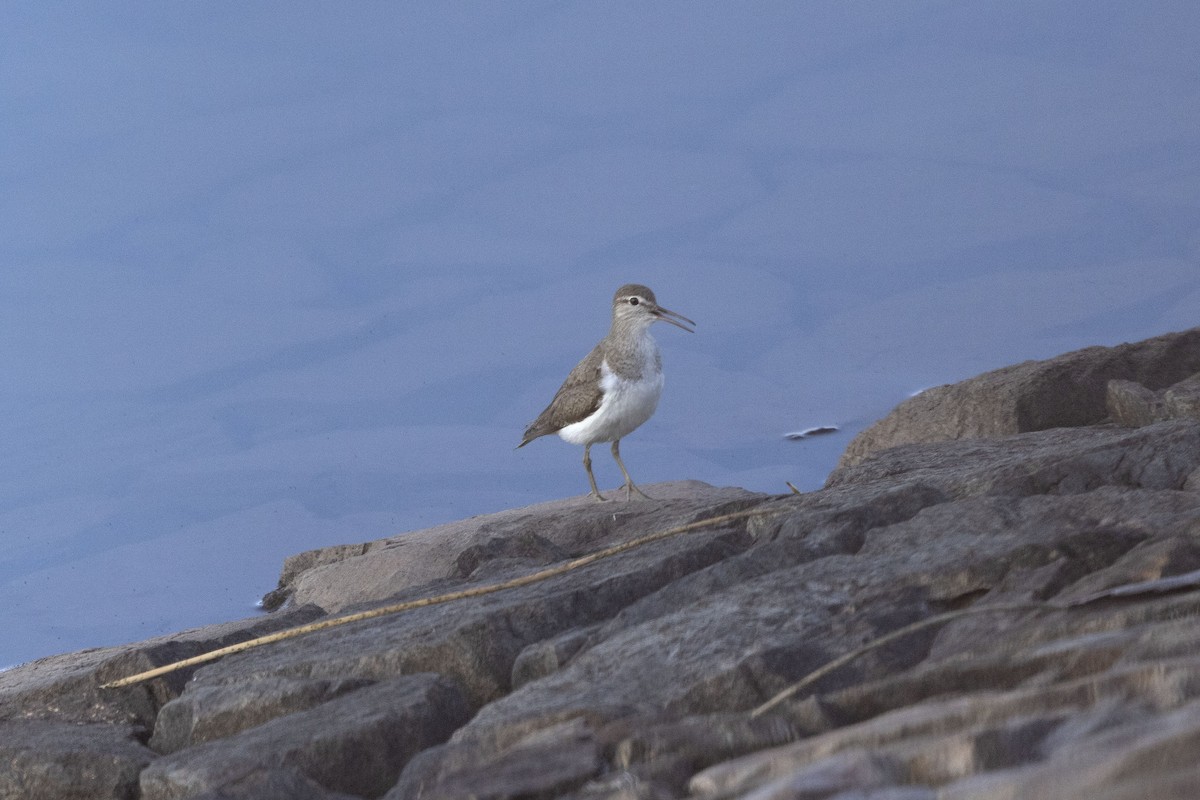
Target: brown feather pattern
<point>576,399</point>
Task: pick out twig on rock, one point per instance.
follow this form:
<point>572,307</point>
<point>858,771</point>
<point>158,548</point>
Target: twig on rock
<point>1178,583</point>
<point>463,594</point>
<point>928,622</point>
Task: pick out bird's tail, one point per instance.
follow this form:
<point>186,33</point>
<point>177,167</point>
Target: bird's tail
<point>534,431</point>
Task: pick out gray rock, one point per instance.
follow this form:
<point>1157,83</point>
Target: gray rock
<point>205,713</point>
<point>1160,557</point>
<point>1143,758</point>
<point>730,649</point>
<point>67,687</point>
<point>1065,391</point>
<point>273,784</point>
<point>547,531</point>
<point>1133,405</point>
<point>851,769</point>
<point>476,642</point>
<point>702,739</point>
<point>545,764</point>
<point>356,743</point>
<point>1060,461</point>
<point>549,655</point>
<point>303,562</point>
<point>50,760</point>
<point>1183,399</point>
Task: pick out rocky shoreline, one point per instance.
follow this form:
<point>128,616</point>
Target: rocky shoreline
<point>1064,493</point>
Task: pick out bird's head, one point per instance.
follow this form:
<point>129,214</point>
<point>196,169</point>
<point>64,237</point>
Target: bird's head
<point>635,305</point>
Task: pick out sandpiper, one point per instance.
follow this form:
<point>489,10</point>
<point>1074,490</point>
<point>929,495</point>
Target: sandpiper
<point>616,387</point>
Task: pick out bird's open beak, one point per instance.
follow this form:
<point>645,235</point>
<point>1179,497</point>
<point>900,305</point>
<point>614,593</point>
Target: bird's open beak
<point>678,320</point>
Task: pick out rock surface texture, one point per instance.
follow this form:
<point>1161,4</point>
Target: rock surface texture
<point>1043,522</point>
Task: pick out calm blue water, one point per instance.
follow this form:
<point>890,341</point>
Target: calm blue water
<point>272,280</point>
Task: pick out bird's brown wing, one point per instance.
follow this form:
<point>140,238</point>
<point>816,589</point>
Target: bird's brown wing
<point>578,397</point>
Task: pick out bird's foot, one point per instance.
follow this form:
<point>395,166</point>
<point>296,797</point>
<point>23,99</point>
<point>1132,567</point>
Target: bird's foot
<point>632,487</point>
<point>599,497</point>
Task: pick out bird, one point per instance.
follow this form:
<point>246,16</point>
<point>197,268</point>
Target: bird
<point>616,387</point>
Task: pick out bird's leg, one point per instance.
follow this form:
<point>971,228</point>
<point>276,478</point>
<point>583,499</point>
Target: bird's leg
<point>629,484</point>
<point>587,464</point>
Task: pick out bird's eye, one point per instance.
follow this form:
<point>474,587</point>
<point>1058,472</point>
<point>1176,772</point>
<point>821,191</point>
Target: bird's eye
<point>633,301</point>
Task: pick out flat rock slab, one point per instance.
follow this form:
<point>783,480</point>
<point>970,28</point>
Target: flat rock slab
<point>356,743</point>
<point>67,687</point>
<point>205,713</point>
<point>1058,461</point>
<point>1065,391</point>
<point>548,763</point>
<point>51,760</point>
<point>284,783</point>
<point>338,577</point>
<point>475,642</point>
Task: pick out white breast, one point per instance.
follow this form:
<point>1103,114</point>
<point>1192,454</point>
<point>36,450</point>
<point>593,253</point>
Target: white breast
<point>626,404</point>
